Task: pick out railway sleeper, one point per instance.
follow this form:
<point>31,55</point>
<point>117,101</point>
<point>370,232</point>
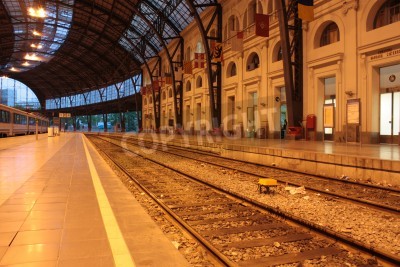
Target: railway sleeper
<point>291,258</point>
<point>259,242</point>
<point>250,228</point>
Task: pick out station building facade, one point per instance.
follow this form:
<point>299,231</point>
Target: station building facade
<point>351,74</point>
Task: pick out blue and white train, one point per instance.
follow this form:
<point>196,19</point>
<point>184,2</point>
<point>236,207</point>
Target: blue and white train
<point>17,122</point>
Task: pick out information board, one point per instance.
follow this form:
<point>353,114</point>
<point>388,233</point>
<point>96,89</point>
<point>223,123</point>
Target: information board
<point>353,111</point>
<point>64,115</point>
<point>329,116</point>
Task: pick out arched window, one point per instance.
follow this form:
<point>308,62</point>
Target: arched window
<point>145,100</point>
<point>252,10</point>
<point>330,34</point>
<point>269,7</point>
<point>231,70</point>
<point>150,100</point>
<point>164,95</point>
<point>199,47</point>
<point>188,86</point>
<point>170,93</point>
<point>233,25</point>
<point>389,13</point>
<point>245,19</point>
<point>279,55</point>
<point>226,31</point>
<point>253,62</point>
<point>277,52</point>
<point>199,82</point>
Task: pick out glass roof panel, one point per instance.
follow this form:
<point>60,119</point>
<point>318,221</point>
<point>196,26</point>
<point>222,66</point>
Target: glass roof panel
<point>175,16</point>
<point>37,37</point>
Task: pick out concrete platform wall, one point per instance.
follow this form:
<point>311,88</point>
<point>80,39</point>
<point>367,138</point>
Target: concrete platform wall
<point>334,166</point>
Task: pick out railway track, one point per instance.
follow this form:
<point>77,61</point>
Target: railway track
<point>237,231</point>
<point>383,198</point>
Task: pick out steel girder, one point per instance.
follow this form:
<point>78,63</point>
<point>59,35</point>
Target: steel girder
<point>292,54</point>
<point>214,89</point>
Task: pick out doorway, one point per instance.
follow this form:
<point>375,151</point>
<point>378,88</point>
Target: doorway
<point>252,114</point>
<point>188,117</point>
<point>283,112</point>
<point>231,115</point>
<point>389,117</point>
<point>198,117</point>
<point>389,125</point>
<point>330,100</point>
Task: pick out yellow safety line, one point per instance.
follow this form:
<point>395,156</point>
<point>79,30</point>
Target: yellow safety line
<point>121,254</point>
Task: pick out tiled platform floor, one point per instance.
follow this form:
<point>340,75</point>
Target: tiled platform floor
<point>61,205</point>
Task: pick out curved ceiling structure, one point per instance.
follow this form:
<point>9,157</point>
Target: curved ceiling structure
<point>72,46</point>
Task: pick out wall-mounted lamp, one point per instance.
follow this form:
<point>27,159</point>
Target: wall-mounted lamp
<point>349,93</point>
<point>262,104</point>
<point>239,107</point>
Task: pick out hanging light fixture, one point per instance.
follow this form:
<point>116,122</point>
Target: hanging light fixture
<point>36,33</point>
<point>37,46</point>
<point>31,57</point>
<point>37,12</point>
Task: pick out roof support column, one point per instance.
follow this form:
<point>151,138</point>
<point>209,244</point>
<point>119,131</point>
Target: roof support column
<point>292,54</point>
<point>214,87</point>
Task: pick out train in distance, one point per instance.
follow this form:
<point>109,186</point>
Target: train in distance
<point>18,122</point>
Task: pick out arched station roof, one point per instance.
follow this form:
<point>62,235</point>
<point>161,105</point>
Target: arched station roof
<point>81,45</point>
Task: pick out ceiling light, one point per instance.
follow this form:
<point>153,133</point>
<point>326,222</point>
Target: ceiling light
<point>26,64</point>
<point>39,46</point>
<point>37,12</point>
<point>36,33</point>
<point>31,57</point>
<point>13,69</point>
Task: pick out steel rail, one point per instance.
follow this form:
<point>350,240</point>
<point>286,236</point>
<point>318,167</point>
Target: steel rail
<point>388,257</point>
<point>216,253</point>
<point>392,209</point>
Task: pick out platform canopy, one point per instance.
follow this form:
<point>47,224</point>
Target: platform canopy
<point>64,47</point>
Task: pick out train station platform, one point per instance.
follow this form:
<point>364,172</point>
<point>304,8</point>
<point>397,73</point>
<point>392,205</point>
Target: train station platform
<point>378,164</point>
<point>62,205</point>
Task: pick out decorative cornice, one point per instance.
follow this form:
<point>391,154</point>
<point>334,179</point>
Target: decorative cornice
<point>230,86</point>
<point>347,5</point>
<point>326,60</point>
<point>251,80</point>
